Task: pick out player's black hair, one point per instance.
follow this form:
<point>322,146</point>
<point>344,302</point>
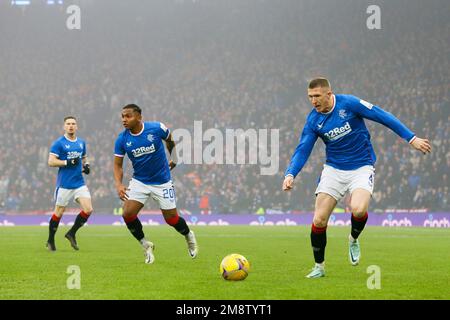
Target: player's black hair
<point>319,83</point>
<point>70,117</point>
<point>134,107</point>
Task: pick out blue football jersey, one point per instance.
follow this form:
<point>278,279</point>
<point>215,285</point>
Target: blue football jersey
<point>65,149</point>
<point>146,152</point>
<point>346,138</point>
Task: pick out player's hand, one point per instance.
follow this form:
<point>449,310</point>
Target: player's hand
<point>422,145</point>
<point>122,192</point>
<point>288,183</point>
<point>72,162</point>
<point>172,164</point>
<point>86,168</point>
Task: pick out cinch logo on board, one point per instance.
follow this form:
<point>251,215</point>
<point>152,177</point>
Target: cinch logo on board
<point>138,152</point>
<point>337,133</point>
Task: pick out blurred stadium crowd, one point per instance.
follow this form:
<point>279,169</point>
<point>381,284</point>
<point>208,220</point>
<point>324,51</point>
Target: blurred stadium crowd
<point>231,64</point>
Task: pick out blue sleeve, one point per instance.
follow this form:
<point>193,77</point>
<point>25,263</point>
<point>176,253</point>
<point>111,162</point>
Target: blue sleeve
<point>302,152</point>
<point>162,131</point>
<point>56,149</point>
<point>84,149</point>
<point>119,150</point>
<point>367,110</point>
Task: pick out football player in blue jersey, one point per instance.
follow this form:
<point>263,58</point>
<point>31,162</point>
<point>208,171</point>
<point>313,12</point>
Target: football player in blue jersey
<point>143,143</point>
<point>69,154</point>
<point>339,121</point>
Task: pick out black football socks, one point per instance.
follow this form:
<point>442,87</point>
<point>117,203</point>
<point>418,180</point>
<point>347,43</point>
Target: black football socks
<point>135,226</point>
<point>53,227</point>
<point>318,242</point>
<point>80,220</point>
<point>358,225</point>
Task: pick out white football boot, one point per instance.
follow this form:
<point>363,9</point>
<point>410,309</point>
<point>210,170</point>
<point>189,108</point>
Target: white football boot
<point>318,271</point>
<point>148,251</point>
<point>192,244</point>
<point>354,251</point>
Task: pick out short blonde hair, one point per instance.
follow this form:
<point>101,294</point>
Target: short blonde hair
<point>319,83</point>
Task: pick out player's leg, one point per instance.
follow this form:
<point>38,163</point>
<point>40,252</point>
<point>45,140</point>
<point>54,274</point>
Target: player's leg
<point>83,216</point>
<point>173,219</point>
<point>164,195</point>
<point>137,196</point>
<point>361,188</point>
<point>131,209</point>
<point>359,205</point>
<point>84,200</point>
<point>331,188</point>
<point>53,227</point>
<point>324,206</point>
<point>62,197</point>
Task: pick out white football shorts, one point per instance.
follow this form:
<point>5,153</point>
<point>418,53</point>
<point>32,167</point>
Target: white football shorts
<point>337,182</point>
<point>163,194</point>
<point>63,196</point>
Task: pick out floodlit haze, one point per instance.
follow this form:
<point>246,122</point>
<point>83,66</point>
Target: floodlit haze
<point>232,65</point>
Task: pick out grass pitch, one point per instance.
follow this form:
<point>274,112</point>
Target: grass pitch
<point>413,262</point>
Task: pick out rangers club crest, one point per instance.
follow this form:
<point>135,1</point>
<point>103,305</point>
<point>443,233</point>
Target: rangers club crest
<point>342,114</point>
<point>150,138</point>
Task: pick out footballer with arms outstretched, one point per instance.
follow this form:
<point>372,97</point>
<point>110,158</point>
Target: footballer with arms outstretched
<point>338,120</point>
<point>143,143</point>
<point>69,154</point>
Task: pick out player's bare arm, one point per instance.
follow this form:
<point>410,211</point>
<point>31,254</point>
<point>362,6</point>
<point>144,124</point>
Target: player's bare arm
<point>53,161</point>
<point>118,176</point>
<point>170,144</point>
<point>422,145</point>
<point>288,183</point>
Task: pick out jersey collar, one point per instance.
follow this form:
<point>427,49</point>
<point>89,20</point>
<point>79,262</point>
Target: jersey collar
<point>76,138</point>
<point>137,134</point>
<point>334,105</point>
